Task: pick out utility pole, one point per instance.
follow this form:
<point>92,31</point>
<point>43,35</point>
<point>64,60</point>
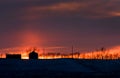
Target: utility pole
<point>72,52</point>
<point>0,55</point>
<point>44,52</point>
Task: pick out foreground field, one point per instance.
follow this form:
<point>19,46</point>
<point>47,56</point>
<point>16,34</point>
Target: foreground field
<point>59,68</point>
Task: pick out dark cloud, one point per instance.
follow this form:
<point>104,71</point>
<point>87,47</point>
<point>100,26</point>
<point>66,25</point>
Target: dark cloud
<point>87,22</point>
<point>88,9</point>
<point>36,9</point>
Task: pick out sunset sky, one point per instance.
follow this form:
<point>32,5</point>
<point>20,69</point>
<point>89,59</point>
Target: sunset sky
<point>87,24</point>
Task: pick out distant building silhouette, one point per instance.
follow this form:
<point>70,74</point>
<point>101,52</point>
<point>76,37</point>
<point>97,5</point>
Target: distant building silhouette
<point>33,55</point>
<point>13,56</point>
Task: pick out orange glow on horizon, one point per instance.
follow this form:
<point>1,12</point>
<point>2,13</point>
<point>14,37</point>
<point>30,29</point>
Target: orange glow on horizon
<point>112,53</point>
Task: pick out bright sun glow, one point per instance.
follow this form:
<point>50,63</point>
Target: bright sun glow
<point>29,38</point>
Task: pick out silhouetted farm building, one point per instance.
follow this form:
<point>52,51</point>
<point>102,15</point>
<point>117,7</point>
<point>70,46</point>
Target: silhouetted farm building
<point>33,55</point>
<point>13,56</point>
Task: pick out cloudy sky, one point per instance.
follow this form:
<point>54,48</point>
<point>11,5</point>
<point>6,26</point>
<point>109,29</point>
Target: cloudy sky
<point>87,24</point>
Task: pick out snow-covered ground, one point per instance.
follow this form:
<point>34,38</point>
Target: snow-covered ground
<point>102,65</point>
<point>66,65</point>
<point>9,66</point>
